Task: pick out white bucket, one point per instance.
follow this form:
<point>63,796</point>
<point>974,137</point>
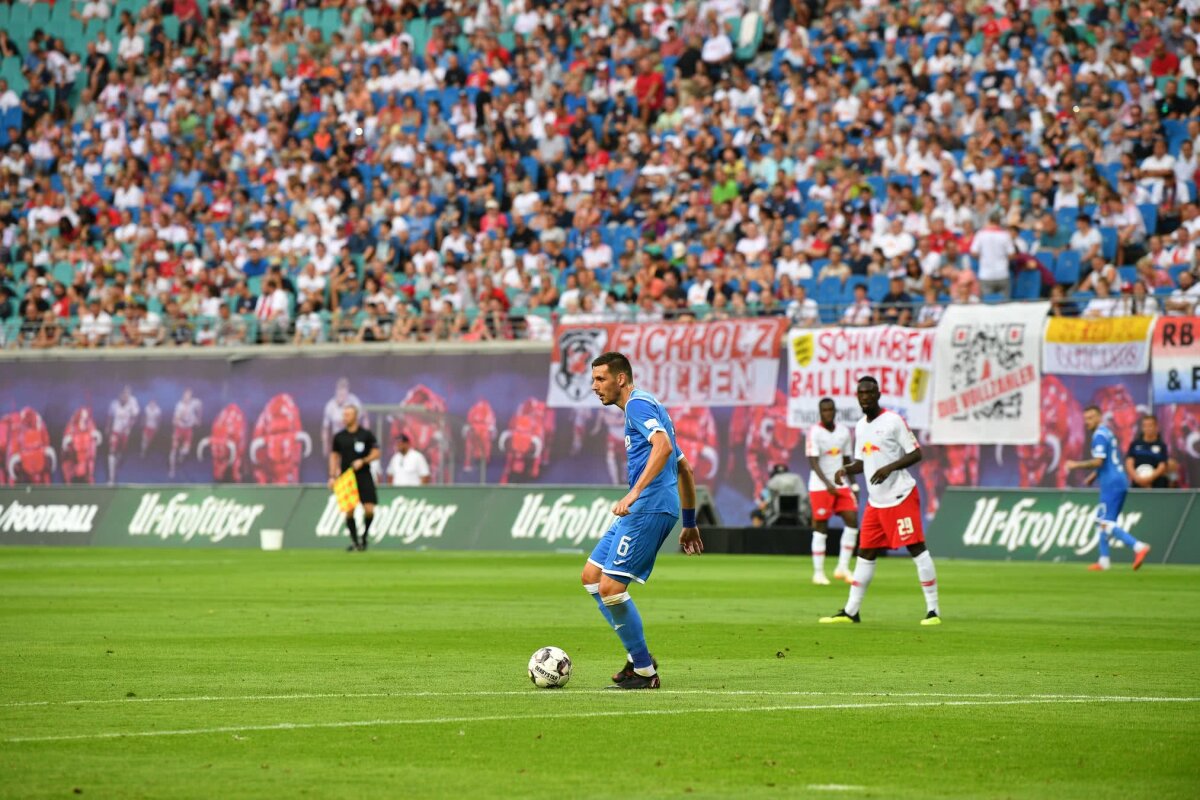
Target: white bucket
<point>271,538</point>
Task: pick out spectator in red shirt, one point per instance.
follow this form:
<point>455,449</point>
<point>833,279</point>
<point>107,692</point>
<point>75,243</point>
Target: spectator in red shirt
<point>650,90</point>
<point>190,20</point>
<point>1164,63</point>
<point>493,220</point>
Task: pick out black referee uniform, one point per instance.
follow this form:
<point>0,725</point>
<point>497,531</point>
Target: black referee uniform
<point>351,447</point>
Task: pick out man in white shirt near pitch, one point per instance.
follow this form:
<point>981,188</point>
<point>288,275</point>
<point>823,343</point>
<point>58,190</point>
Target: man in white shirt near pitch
<point>994,246</point>
<point>407,467</point>
<point>884,449</point>
<point>829,450</point>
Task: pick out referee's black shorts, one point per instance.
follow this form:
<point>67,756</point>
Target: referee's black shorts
<point>366,488</point>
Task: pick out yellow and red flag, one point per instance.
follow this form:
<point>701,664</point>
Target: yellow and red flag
<point>345,489</point>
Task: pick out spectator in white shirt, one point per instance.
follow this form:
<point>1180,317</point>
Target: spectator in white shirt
<point>1139,303</point>
<point>803,311</point>
<point>931,312</point>
<point>310,285</point>
<point>310,328</point>
<point>272,311</point>
<point>407,467</point>
<point>1157,172</point>
<point>131,47</point>
<point>8,98</point>
<point>1103,304</point>
<point>1182,301</point>
<point>1086,240</point>
<point>897,242</point>
<point>597,255</point>
<point>859,313</point>
<point>95,326</point>
<point>994,246</point>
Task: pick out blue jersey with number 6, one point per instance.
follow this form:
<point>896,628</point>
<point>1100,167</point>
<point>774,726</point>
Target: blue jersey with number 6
<point>1111,474</point>
<point>645,417</point>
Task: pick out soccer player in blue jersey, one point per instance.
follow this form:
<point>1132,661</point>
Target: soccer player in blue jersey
<point>660,482</point>
<point>1114,483</point>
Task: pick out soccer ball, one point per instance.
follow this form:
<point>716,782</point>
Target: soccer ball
<point>1144,471</point>
<point>549,668</point>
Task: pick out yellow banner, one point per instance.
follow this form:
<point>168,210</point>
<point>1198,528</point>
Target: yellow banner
<point>345,489</point>
<point>1113,330</point>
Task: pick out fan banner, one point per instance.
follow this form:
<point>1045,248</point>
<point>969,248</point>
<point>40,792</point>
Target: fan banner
<point>1176,351</point>
<point>988,385</point>
<point>1112,346</point>
<point>726,363</point>
<point>827,362</point>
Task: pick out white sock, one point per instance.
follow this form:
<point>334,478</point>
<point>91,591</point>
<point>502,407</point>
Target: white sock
<point>849,539</point>
<point>863,572</point>
<point>1105,562</point>
<point>818,552</point>
<point>1140,546</point>
<point>928,576</point>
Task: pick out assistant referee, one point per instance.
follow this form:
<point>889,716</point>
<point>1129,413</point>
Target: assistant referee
<point>354,447</point>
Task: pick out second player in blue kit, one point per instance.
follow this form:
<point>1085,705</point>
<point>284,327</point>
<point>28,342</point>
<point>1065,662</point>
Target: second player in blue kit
<point>1114,485</point>
<point>661,489</point>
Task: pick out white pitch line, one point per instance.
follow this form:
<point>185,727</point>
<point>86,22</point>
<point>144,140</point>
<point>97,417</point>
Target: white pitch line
<point>371,723</point>
<point>257,698</point>
<point>835,787</point>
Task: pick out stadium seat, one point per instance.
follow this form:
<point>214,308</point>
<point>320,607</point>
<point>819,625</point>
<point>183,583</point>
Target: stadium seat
<point>1028,285</point>
<point>877,287</point>
<point>1108,248</point>
<point>1066,269</point>
<point>1149,217</point>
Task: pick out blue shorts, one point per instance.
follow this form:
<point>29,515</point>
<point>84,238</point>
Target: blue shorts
<point>1111,502</point>
<point>628,549</point>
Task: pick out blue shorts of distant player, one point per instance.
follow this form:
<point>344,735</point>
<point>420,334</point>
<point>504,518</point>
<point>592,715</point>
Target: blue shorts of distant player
<point>1111,502</point>
<point>628,549</point>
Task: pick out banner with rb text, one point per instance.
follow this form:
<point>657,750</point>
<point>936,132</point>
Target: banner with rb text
<point>987,387</point>
<point>1110,346</point>
<point>827,362</point>
<point>726,363</point>
<point>1176,360</point>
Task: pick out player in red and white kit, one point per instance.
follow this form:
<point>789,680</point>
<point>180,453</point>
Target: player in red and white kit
<point>884,450</point>
<point>122,416</point>
<point>184,423</point>
<point>151,419</point>
<point>829,449</point>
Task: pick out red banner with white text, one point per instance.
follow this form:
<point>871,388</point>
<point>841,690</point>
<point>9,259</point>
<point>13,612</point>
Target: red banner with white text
<point>726,363</point>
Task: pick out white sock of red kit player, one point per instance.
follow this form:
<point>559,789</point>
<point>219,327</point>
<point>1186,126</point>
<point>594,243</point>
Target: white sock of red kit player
<point>849,539</point>
<point>863,572</point>
<point>818,552</point>
<point>928,576</point>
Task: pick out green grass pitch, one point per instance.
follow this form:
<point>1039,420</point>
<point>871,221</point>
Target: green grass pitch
<point>153,673</point>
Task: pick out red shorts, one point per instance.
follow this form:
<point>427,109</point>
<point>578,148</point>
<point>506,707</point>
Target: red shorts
<point>182,437</point>
<point>825,504</point>
<point>892,528</point>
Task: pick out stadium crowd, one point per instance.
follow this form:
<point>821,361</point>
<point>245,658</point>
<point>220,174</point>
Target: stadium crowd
<point>223,172</point>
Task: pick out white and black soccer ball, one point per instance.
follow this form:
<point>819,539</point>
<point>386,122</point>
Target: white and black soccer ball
<point>549,668</point>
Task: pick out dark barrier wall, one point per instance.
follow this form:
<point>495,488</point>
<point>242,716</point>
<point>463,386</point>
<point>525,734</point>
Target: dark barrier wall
<point>261,421</point>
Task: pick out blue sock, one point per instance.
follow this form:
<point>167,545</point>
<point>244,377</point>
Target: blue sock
<point>1125,537</point>
<point>627,622</point>
<point>1104,543</point>
<point>594,590</point>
